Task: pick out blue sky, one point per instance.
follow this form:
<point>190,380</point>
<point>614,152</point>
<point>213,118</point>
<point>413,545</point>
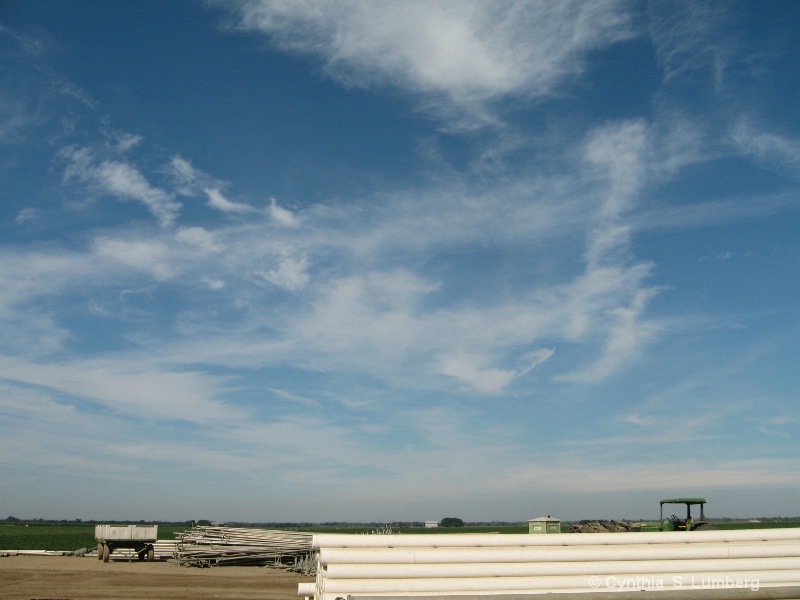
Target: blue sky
<point>379,261</point>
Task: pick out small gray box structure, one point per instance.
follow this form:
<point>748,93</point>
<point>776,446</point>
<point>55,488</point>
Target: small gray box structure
<point>544,525</point>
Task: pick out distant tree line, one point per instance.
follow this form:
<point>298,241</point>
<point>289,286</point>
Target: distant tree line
<point>93,521</point>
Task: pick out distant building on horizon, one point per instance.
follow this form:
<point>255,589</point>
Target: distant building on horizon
<point>431,524</point>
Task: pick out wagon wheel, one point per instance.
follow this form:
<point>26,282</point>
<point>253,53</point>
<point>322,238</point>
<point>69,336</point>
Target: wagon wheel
<point>100,551</point>
<point>150,553</point>
<point>106,552</point>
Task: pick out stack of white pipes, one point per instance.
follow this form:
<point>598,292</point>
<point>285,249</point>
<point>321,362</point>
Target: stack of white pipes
<point>428,565</point>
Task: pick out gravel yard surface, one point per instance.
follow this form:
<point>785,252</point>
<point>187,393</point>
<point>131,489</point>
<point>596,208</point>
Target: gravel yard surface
<point>85,578</point>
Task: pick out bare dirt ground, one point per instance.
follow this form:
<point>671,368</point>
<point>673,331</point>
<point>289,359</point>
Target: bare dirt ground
<point>85,578</point>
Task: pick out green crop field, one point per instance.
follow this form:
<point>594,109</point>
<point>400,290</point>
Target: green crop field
<point>59,537</point>
<point>754,525</point>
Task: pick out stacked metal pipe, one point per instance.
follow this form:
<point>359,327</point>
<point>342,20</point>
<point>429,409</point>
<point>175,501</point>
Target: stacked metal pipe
<point>205,546</point>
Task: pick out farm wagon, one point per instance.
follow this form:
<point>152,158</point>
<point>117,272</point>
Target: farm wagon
<point>111,537</point>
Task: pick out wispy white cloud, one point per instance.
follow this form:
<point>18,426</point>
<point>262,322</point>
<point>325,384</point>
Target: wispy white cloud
<point>282,215</point>
<point>291,274</point>
<point>187,180</point>
<point>691,37</point>
<point>475,370</point>
<point>768,148</point>
<point>534,359</point>
<point>486,380</point>
<point>366,317</point>
<point>640,420</point>
<point>466,54</point>
<point>366,323</point>
<point>121,180</point>
<point>627,334</point>
<point>200,239</point>
<point>619,149</point>
<point>76,92</point>
<point>15,120</point>
<point>125,181</point>
<point>310,402</point>
<point>27,214</point>
<point>363,315</point>
<point>218,201</point>
<point>122,141</point>
<point>28,280</point>
<point>622,151</point>
<point>658,476</point>
<point>150,256</point>
<point>29,44</point>
<point>780,420</point>
<point>725,210</point>
<point>779,426</point>
<point>140,388</point>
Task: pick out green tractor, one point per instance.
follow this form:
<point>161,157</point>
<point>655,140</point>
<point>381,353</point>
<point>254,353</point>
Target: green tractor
<point>675,523</point>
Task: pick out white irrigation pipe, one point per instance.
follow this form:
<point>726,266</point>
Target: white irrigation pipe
<point>774,593</point>
<point>456,586</point>
<point>557,568</point>
<point>338,540</point>
<point>306,589</point>
<point>492,565</point>
<point>553,554</point>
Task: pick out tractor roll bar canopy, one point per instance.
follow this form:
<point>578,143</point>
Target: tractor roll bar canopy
<point>688,502</point>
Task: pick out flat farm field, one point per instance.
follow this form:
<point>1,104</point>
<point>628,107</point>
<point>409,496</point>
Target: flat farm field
<point>59,537</point>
